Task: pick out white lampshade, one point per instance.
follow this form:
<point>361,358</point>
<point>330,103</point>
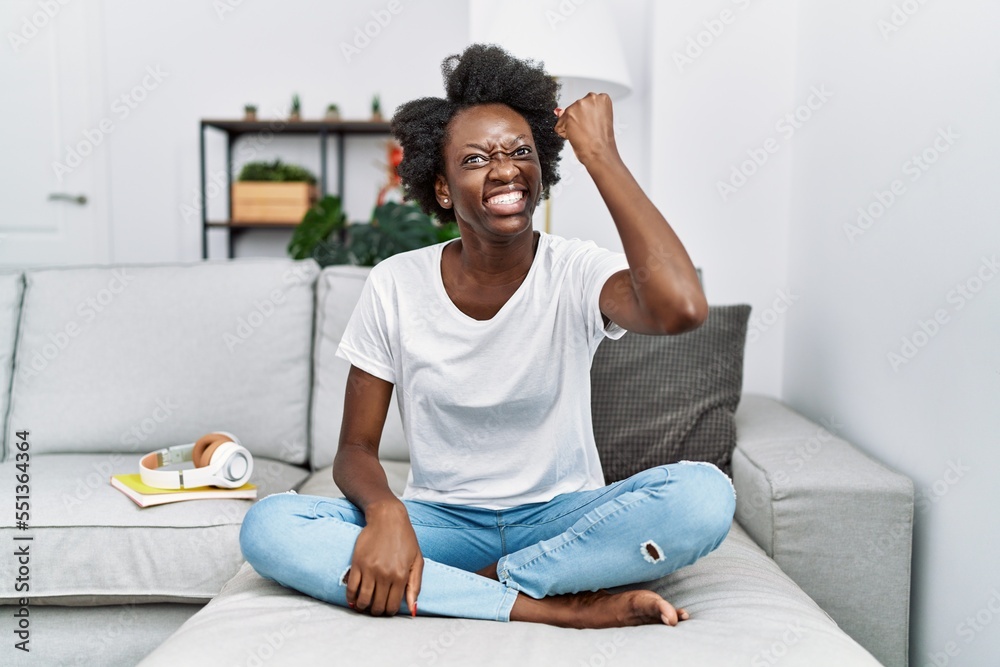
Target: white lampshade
<point>577,42</point>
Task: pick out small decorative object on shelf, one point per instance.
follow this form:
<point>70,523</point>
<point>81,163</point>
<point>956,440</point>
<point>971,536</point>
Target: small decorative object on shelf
<point>273,192</point>
<point>376,109</point>
<point>296,112</point>
<point>250,112</point>
<point>332,112</point>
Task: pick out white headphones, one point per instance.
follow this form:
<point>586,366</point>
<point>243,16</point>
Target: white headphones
<point>219,459</point>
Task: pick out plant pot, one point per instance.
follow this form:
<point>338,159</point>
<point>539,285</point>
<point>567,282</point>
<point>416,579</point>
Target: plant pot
<point>249,116</point>
<point>266,201</point>
<point>294,116</point>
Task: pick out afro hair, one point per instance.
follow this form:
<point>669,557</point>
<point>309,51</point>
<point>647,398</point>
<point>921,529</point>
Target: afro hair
<point>482,74</point>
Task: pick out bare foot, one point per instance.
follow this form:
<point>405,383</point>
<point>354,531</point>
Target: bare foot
<point>599,609</point>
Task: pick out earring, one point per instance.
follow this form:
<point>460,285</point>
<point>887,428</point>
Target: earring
<point>445,200</point>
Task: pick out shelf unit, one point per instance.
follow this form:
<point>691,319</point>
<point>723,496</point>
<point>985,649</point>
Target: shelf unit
<point>234,129</point>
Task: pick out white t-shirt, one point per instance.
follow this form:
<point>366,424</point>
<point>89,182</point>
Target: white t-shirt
<point>496,412</point>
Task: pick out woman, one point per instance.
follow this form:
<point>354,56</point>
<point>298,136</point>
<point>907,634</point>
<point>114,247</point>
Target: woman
<point>488,340</point>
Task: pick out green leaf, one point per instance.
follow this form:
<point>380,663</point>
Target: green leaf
<point>318,226</point>
<point>394,228</point>
<point>276,171</point>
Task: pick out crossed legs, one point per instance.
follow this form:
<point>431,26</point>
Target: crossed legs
<point>560,554</point>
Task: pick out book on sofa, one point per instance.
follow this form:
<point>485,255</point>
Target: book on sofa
<point>147,496</point>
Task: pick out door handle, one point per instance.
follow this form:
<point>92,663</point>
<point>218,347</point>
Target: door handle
<point>62,196</point>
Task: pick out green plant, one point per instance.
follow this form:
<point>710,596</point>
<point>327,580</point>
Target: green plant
<point>376,105</point>
<point>394,228</point>
<point>318,225</point>
<point>296,104</point>
<point>275,171</point>
<point>250,108</point>
<point>332,108</point>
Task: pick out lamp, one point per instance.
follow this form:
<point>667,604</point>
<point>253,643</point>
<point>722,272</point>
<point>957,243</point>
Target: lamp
<point>577,42</point>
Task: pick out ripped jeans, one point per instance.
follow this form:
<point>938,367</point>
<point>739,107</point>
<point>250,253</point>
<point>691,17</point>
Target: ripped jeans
<point>635,530</point>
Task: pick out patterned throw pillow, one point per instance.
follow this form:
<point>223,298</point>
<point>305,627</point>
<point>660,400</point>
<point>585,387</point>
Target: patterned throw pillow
<point>663,399</point>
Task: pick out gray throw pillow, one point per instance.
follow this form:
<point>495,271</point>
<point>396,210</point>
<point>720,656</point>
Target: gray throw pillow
<point>663,399</point>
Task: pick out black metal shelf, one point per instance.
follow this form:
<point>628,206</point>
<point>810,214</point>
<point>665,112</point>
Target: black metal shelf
<point>239,224</point>
<point>233,129</point>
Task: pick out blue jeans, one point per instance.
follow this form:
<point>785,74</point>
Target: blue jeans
<point>635,530</point>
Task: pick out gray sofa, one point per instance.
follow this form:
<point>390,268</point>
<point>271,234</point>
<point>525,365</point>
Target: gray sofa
<point>103,364</point>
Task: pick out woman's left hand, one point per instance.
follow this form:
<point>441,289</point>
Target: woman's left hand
<point>588,125</point>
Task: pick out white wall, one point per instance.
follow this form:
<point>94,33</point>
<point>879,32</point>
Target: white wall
<point>260,52</point>
<point>934,417</point>
<point>876,101</point>
<point>720,83</point>
<point>263,52</point>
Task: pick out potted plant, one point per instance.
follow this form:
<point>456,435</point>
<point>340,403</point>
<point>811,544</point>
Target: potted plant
<point>250,112</point>
<point>376,109</point>
<point>325,235</point>
<point>332,112</point>
<point>296,111</point>
<point>273,192</point>
<point>318,224</point>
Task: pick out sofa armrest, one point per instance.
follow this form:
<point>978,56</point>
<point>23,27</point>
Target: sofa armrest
<point>837,522</point>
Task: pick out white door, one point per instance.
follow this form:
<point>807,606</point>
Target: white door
<point>53,149</point>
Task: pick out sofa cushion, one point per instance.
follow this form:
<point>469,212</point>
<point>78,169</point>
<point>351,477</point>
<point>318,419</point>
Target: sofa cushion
<point>663,399</point>
<point>109,636</point>
<point>11,289</point>
<point>337,293</point>
<point>134,358</point>
<point>744,611</point>
<point>93,546</point>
